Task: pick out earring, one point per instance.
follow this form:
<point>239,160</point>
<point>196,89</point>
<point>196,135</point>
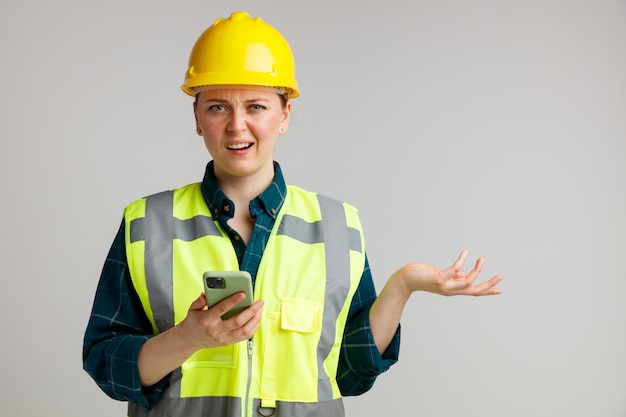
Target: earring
<point>198,130</point>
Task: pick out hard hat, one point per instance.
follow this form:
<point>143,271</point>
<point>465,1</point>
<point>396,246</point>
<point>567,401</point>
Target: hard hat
<point>241,50</point>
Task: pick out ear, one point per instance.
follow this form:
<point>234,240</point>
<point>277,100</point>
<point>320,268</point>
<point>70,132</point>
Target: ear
<point>284,124</point>
<point>195,116</point>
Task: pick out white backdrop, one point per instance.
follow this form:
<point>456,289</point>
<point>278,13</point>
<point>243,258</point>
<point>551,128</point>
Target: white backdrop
<point>496,126</point>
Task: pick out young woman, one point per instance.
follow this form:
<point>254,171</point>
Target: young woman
<point>317,329</point>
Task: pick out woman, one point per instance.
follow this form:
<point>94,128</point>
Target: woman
<point>317,329</point>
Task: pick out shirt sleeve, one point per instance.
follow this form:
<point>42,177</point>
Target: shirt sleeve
<point>360,362</point>
<point>116,330</point>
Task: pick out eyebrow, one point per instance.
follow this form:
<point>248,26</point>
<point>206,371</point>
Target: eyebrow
<point>220,100</point>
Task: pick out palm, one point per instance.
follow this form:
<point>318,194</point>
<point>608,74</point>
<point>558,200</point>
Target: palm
<point>451,281</point>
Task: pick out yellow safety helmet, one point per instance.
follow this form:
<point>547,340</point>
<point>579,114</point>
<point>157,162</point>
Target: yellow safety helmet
<point>241,50</point>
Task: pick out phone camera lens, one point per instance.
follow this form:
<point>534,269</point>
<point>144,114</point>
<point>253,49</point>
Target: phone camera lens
<point>216,283</point>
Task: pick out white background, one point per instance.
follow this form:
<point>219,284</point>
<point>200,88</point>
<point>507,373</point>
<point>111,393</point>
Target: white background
<point>497,126</point>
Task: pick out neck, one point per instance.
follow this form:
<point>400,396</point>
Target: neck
<point>242,190</point>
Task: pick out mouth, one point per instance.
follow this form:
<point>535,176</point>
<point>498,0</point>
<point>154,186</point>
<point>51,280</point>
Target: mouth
<point>239,146</point>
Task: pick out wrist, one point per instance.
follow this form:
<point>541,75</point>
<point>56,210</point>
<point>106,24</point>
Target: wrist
<point>397,285</point>
<point>182,340</point>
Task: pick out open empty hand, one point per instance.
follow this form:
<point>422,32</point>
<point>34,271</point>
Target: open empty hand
<point>418,276</point>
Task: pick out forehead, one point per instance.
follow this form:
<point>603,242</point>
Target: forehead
<point>238,93</point>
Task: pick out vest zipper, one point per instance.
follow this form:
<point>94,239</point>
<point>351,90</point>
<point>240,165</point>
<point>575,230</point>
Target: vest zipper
<point>249,376</point>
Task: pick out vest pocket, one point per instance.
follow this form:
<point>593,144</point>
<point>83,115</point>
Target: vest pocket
<point>214,371</point>
<point>290,365</point>
<point>300,315</point>
<point>220,357</point>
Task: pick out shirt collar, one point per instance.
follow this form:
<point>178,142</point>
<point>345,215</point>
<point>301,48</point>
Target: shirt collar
<point>269,201</point>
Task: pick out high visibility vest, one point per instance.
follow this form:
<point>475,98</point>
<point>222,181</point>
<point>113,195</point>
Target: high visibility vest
<point>307,276</point>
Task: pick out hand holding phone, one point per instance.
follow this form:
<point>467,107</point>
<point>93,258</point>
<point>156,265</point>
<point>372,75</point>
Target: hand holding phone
<point>219,285</point>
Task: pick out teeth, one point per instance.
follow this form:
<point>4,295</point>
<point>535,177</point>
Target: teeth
<point>239,146</point>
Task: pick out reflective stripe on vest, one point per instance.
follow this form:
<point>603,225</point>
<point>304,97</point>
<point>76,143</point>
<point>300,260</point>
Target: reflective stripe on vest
<point>153,224</point>
<point>163,228</point>
<point>337,269</point>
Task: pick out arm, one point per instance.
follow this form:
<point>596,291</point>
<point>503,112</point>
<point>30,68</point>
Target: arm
<point>120,351</point>
<point>360,361</point>
<point>387,310</point>
<point>117,329</point>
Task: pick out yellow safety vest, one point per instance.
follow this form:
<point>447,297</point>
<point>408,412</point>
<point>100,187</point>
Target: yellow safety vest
<point>307,276</point>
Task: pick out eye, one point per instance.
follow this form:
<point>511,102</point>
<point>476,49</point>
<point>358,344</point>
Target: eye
<point>217,107</point>
<point>257,107</point>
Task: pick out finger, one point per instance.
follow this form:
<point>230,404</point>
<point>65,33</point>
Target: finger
<point>457,265</point>
<point>245,324</point>
<point>252,312</point>
<point>488,287</point>
<point>250,317</point>
<point>492,284</point>
<point>461,259</point>
<point>228,303</point>
<point>473,274</point>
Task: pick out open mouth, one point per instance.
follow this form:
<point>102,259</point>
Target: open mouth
<point>239,146</point>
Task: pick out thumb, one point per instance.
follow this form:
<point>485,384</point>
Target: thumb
<point>199,303</point>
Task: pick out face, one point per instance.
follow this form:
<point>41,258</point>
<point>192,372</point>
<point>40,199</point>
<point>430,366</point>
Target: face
<point>240,127</point>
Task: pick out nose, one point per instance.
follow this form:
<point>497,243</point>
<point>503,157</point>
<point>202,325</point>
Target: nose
<point>237,122</point>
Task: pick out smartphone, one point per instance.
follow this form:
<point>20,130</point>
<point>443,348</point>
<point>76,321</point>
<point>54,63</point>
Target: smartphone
<point>222,284</point>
